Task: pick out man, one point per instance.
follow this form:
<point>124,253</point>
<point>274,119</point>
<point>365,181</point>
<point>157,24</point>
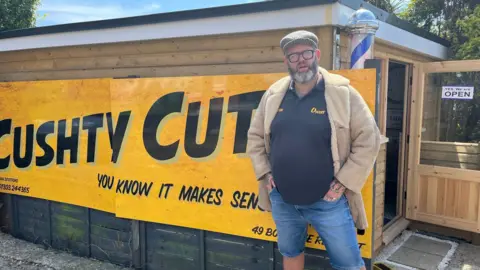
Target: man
<point>313,142</point>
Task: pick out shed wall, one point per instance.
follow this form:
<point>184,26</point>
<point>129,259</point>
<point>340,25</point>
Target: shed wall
<point>146,245</point>
<point>257,52</point>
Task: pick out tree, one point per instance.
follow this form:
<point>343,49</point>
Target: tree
<point>457,21</point>
<point>390,6</point>
<point>440,17</point>
<point>470,27</point>
<point>17,14</point>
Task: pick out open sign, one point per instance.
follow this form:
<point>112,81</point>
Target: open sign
<point>457,92</point>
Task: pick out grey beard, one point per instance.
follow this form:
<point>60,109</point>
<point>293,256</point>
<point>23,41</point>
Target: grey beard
<point>304,77</point>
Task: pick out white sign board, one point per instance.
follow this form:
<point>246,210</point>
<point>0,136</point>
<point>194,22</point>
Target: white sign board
<point>457,92</point>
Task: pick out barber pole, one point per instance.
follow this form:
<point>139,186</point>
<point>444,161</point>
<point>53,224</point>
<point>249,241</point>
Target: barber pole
<point>362,27</point>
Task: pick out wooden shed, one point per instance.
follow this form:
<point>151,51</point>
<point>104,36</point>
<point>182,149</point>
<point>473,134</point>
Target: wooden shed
<point>420,178</point>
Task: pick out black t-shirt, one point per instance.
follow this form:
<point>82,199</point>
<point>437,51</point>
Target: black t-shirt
<point>301,155</point>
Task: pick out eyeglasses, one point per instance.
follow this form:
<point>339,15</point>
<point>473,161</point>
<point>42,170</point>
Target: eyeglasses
<point>295,57</point>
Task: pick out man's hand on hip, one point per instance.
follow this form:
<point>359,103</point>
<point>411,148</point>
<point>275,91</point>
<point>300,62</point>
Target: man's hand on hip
<point>336,191</point>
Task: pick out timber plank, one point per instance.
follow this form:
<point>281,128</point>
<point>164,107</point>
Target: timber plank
<point>111,256</point>
<point>226,56</point>
<point>170,261</point>
<point>238,248</point>
<point>108,220</point>
<point>173,45</point>
<point>99,231</point>
<point>76,248</point>
<point>163,233</point>
<point>237,261</point>
<point>220,69</point>
<point>105,244</point>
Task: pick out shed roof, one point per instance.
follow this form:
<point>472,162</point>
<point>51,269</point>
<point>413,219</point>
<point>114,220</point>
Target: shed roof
<point>250,17</point>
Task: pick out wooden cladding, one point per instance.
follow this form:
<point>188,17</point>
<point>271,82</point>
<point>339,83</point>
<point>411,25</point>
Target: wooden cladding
<point>448,197</point>
<point>451,154</point>
<point>257,52</point>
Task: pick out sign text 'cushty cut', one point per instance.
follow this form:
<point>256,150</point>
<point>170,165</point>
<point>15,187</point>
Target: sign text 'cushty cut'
<point>25,137</point>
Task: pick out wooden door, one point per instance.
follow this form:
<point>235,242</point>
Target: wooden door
<point>443,184</point>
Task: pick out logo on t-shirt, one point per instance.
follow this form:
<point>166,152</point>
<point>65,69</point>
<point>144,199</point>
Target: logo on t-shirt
<point>316,111</point>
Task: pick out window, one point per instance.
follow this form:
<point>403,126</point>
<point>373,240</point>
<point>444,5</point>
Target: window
<point>451,120</point>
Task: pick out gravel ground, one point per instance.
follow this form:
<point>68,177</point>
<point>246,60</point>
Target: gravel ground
<point>16,254</point>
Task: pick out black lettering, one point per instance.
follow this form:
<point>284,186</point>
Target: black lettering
<point>243,200</point>
<point>5,129</point>
<point>210,196</point>
<point>360,245</point>
<point>92,123</point>
<point>105,181</point>
<point>26,160</point>
<point>203,193</point>
<point>145,189</point>
<point>127,187</point>
<point>43,131</point>
<point>218,197</point>
<point>161,190</point>
<point>120,185</point>
<point>252,202</point>
<point>318,240</point>
<point>236,196</point>
<point>168,189</point>
<point>206,148</point>
<point>110,183</point>
<point>467,94</point>
<point>309,238</point>
<point>100,178</point>
<point>185,194</point>
<point>244,104</point>
<point>134,187</point>
<point>67,143</point>
<point>117,136</point>
<point>170,103</point>
<point>194,196</point>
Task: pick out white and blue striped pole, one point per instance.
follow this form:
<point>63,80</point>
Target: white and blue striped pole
<point>362,27</point>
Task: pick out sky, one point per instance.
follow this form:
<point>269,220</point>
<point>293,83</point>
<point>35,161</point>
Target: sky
<point>53,12</point>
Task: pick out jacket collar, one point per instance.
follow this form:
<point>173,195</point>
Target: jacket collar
<point>282,85</point>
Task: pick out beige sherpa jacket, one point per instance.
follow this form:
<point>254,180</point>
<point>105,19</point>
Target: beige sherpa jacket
<point>355,139</point>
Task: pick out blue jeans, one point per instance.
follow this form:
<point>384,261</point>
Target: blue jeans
<point>332,221</point>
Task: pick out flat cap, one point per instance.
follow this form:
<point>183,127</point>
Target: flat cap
<point>299,37</point>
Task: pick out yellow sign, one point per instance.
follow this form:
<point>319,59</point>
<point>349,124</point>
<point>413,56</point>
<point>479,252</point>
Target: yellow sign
<point>167,150</point>
<point>54,139</point>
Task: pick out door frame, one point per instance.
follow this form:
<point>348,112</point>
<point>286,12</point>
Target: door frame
<point>403,139</point>
<point>414,168</point>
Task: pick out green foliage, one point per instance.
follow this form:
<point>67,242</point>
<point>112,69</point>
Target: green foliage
<point>440,17</point>
<point>470,27</point>
<point>390,6</point>
<point>17,14</point>
<point>459,22</point>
